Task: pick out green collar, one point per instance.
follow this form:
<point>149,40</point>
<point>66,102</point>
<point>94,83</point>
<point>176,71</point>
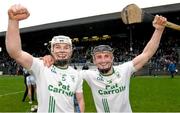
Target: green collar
<point>101,74</point>
<point>63,68</point>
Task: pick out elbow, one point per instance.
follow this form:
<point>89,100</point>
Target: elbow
<point>14,54</point>
<point>148,55</point>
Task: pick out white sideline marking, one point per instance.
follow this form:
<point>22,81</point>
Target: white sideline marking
<point>11,93</point>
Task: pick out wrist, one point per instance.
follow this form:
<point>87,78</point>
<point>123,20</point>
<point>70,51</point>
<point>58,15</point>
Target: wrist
<point>11,21</point>
<point>160,29</point>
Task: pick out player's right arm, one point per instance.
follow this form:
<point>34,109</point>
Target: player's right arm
<point>152,46</point>
<point>17,13</point>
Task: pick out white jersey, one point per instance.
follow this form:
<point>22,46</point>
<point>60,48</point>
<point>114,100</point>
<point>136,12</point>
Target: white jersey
<point>111,93</point>
<point>55,87</point>
<point>30,80</point>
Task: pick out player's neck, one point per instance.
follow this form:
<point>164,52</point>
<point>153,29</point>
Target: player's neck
<point>109,73</point>
<point>62,64</point>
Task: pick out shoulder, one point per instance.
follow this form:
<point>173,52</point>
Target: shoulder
<point>126,65</point>
<point>86,74</point>
<point>37,61</point>
<point>72,70</point>
<point>37,64</point>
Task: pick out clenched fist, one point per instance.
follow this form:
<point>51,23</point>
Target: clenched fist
<point>159,22</point>
<point>18,12</point>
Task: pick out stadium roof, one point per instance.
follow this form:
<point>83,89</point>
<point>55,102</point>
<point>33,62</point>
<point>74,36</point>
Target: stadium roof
<point>172,8</point>
<point>107,24</point>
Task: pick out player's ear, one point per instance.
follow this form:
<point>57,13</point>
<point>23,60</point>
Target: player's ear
<point>72,50</point>
<point>94,60</point>
<point>112,59</point>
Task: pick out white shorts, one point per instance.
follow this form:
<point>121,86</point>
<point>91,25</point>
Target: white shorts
<point>30,80</point>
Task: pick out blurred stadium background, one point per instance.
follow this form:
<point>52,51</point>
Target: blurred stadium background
<point>127,40</point>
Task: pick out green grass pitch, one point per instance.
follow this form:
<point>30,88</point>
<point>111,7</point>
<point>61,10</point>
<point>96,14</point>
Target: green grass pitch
<point>147,94</point>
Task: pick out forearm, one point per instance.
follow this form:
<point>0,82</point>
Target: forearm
<point>80,99</point>
<point>17,13</point>
<point>13,42</point>
<point>153,44</point>
<point>82,107</point>
<point>149,50</point>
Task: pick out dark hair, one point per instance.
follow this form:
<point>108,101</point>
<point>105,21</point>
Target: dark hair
<point>102,48</point>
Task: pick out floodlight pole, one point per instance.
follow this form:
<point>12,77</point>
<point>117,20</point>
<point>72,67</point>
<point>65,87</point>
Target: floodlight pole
<point>130,39</point>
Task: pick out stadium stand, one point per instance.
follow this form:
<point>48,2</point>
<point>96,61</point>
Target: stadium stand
<point>102,29</point>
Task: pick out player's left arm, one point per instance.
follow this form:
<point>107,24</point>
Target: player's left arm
<point>80,99</point>
<point>152,45</point>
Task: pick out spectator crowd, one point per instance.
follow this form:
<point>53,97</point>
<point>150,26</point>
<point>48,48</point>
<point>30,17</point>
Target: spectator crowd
<point>167,52</point>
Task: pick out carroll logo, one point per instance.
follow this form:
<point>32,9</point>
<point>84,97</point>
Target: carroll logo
<point>111,89</point>
<point>63,89</point>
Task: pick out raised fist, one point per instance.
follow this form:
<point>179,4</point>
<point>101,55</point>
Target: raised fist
<point>159,22</point>
<point>18,12</point>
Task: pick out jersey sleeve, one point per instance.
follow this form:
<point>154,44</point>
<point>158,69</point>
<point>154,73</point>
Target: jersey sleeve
<point>127,68</point>
<point>131,67</point>
<point>36,67</point>
<point>87,75</point>
<point>84,74</point>
<point>79,83</point>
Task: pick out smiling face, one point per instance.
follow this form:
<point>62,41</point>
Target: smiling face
<point>103,60</point>
<point>61,50</point>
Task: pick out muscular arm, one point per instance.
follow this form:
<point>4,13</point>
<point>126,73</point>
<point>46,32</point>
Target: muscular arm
<point>80,99</point>
<point>152,45</point>
<point>13,41</point>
